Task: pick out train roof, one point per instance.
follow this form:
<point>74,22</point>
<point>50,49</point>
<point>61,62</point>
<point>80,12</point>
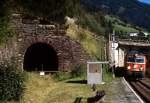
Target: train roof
<point>136,52</point>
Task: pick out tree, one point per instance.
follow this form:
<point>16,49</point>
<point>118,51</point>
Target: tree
<point>54,10</point>
<point>110,27</point>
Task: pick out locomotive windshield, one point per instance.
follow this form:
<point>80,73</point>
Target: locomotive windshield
<point>131,59</point>
<point>139,59</point>
<point>136,59</point>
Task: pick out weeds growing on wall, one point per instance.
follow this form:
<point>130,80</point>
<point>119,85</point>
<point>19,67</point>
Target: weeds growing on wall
<point>5,32</point>
<point>5,27</point>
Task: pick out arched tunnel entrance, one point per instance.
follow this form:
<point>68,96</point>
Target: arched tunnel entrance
<point>40,57</point>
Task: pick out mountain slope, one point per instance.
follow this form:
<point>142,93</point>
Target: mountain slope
<point>131,11</point>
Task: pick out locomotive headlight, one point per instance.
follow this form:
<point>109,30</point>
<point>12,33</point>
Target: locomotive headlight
<point>135,66</point>
<point>129,67</point>
<point>141,69</point>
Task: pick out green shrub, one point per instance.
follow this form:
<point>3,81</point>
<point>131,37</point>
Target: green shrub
<point>107,73</point>
<point>62,76</point>
<point>78,71</point>
<point>11,82</point>
<point>89,21</point>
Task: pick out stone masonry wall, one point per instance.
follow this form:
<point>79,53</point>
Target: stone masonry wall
<point>30,31</point>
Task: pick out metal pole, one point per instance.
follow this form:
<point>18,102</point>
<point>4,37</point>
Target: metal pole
<point>113,54</point>
<point>42,67</point>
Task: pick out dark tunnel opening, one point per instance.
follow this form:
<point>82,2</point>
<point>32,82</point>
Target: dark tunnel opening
<point>40,57</point>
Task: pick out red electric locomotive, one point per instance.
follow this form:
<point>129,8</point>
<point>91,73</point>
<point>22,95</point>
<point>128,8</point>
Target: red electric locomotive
<point>136,65</point>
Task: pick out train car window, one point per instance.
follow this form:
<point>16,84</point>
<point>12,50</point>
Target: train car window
<point>139,59</point>
<point>131,59</point>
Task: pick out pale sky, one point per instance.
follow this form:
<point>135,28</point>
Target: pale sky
<point>146,1</point>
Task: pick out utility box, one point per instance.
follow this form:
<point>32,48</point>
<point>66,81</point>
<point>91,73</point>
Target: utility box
<point>94,72</point>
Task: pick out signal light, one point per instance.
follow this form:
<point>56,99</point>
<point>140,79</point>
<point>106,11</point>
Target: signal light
<point>129,67</point>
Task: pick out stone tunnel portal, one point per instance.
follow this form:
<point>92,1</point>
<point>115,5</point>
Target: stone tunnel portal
<point>40,57</point>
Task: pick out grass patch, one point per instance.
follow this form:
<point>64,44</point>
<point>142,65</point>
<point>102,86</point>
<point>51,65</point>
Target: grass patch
<point>91,21</point>
<point>63,87</point>
<point>126,29</point>
<point>107,74</point>
<point>121,28</point>
<point>77,71</point>
<point>92,45</point>
<point>37,87</point>
<point>44,89</point>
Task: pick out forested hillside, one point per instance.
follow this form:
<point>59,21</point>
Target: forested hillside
<point>131,11</point>
<point>53,11</point>
<point>88,13</point>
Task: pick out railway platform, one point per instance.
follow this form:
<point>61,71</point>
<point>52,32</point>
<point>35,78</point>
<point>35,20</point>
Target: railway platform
<point>119,92</point>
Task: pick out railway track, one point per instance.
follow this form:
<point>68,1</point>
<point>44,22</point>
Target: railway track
<point>142,87</point>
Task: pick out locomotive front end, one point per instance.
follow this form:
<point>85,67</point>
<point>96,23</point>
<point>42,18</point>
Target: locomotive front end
<point>136,65</point>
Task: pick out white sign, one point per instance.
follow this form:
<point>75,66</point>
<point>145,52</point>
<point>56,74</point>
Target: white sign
<point>94,73</point>
<point>42,73</point>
